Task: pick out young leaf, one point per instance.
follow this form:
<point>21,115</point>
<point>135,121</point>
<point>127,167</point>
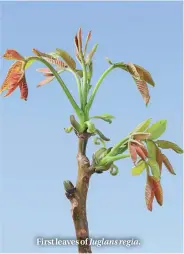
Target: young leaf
<point>152,148</point>
<point>169,145</point>
<point>12,54</point>
<point>106,117</point>
<point>79,36</point>
<point>154,168</point>
<point>29,63</point>
<point>157,129</point>
<point>45,81</point>
<point>132,151</point>
<point>23,89</point>
<point>102,136</point>
<point>141,135</point>
<point>139,168</point>
<point>91,127</point>
<point>68,129</point>
<point>144,75</point>
<point>108,60</point>
<point>87,40</point>
<point>149,193</point>
<point>140,152</point>
<point>91,54</point>
<point>143,89</point>
<point>159,158</point>
<point>168,164</point>
<point>114,170</point>
<point>158,192</point>
<point>142,126</point>
<point>67,58</point>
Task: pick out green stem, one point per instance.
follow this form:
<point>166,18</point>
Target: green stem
<point>118,65</point>
<point>67,92</point>
<point>110,159</point>
<point>84,80</point>
<point>118,145</point>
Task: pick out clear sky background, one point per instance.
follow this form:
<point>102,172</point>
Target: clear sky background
<point>37,155</point>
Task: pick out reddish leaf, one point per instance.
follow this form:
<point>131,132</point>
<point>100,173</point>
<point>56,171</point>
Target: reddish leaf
<point>144,74</point>
<point>45,81</point>
<point>76,43</point>
<point>87,40</point>
<point>79,36</point>
<point>159,158</point>
<point>140,152</point>
<point>12,54</point>
<point>143,89</point>
<point>132,151</point>
<point>23,89</point>
<point>149,193</point>
<point>132,70</point>
<point>13,77</point>
<point>168,164</point>
<point>158,192</point>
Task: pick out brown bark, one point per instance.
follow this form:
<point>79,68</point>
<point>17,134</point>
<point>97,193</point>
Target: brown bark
<point>78,198</point>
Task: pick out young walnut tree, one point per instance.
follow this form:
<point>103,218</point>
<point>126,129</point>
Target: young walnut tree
<point>142,144</point>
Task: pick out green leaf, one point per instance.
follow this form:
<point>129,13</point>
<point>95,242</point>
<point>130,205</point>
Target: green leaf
<point>68,129</point>
<point>80,73</point>
<point>152,148</point>
<point>142,126</point>
<point>154,168</point>
<point>102,136</point>
<point>91,127</point>
<point>169,145</point>
<point>139,168</point>
<point>67,58</point>
<point>109,61</point>
<point>157,129</point>
<point>99,141</point>
<point>106,117</point>
<point>114,170</point>
<point>91,54</point>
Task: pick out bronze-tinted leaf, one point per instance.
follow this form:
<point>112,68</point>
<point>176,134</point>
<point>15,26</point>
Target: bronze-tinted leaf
<point>140,152</point>
<point>141,136</point>
<point>45,81</point>
<point>67,58</point>
<point>12,54</point>
<point>159,158</point>
<point>13,77</point>
<point>143,89</point>
<point>132,70</point>
<point>132,151</point>
<point>149,193</point>
<point>158,192</point>
<point>79,36</point>
<point>145,75</point>
<point>23,89</point>
<point>168,164</point>
<point>87,40</point>
<point>169,145</point>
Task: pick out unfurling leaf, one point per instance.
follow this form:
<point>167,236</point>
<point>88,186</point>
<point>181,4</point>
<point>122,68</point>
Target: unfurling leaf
<point>87,40</point>
<point>149,193</point>
<point>114,170</point>
<point>144,75</point>
<point>67,58</point>
<point>23,89</point>
<point>141,136</point>
<point>158,192</point>
<point>91,54</point>
<point>45,81</point>
<point>91,127</point>
<point>168,164</point>
<point>132,152</point>
<point>152,148</point>
<point>68,129</point>
<point>13,78</point>
<point>102,136</point>
<point>12,54</point>
<point>99,141</point>
<point>169,145</point>
<point>79,37</point>
<point>109,61</point>
<point>140,152</point>
<point>143,89</point>
<point>159,158</point>
<point>157,129</point>
<point>154,168</point>
<point>106,117</point>
<point>142,126</point>
<point>139,168</point>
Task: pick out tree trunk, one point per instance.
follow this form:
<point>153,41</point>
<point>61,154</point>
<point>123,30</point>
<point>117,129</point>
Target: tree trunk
<point>79,196</point>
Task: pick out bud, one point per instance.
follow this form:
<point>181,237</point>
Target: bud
<point>69,187</point>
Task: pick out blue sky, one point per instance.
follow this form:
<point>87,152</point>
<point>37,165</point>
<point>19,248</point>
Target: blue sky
<point>37,155</point>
